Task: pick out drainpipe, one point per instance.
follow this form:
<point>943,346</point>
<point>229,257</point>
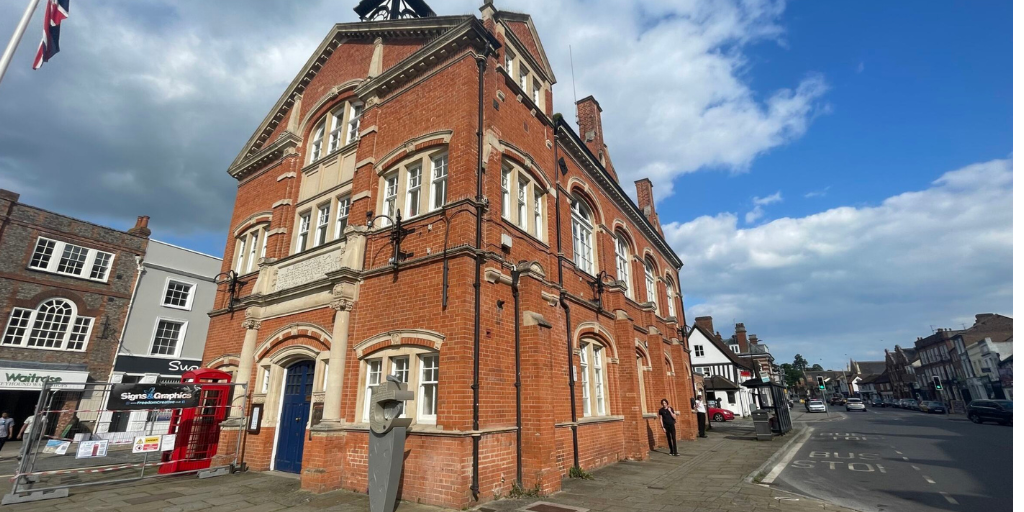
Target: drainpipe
<point>519,378</point>
<point>565,306</point>
<point>481,62</point>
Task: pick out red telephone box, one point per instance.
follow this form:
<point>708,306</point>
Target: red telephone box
<point>198,428</point>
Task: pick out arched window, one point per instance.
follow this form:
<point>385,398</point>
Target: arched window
<point>649,281</point>
<point>404,186</point>
<point>670,288</point>
<point>417,367</point>
<point>622,261</point>
<point>250,247</point>
<point>593,379</point>
<point>582,235</point>
<point>641,369</point>
<point>316,147</point>
<point>54,325</point>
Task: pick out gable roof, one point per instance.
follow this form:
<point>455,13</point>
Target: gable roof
<point>870,367</point>
<point>540,61</point>
<point>732,356</point>
<point>431,28</point>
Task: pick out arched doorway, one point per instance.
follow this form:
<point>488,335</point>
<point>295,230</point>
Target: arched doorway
<point>295,404</point>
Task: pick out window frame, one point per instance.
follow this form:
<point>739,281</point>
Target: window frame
<point>391,201</point>
<point>581,225</point>
<point>302,233</point>
<point>698,350</point>
<point>414,169</point>
<point>30,326</point>
<point>53,260</point>
<point>623,262</point>
<point>181,337</point>
<point>594,378</point>
<point>316,144</point>
<point>506,193</point>
<point>245,246</point>
<point>323,224</point>
<point>414,357</point>
<point>355,118</point>
<point>438,181</point>
<point>344,204</point>
<point>651,283</point>
<point>670,296</point>
<point>191,293</point>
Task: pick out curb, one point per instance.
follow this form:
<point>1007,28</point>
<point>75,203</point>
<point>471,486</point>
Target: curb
<point>774,458</point>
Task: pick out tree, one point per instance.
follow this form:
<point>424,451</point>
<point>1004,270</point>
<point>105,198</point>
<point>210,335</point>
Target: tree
<point>800,363</point>
<point>817,368</point>
<point>791,374</point>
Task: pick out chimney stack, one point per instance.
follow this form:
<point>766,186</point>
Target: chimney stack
<point>141,227</point>
<point>645,200</point>
<point>741,338</point>
<point>588,110</point>
<point>704,322</point>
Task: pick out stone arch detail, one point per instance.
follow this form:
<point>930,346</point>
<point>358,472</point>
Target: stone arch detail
<point>413,145</point>
<point>285,356</point>
<point>420,337</point>
<point>222,361</point>
<point>328,97</point>
<point>253,220</point>
<point>295,330</point>
<point>598,332</point>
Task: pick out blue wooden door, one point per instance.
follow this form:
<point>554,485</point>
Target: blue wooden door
<point>298,389</point>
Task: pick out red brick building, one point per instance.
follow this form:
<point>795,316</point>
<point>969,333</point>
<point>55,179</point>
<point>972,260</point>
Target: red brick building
<point>66,287</point>
<point>529,304</point>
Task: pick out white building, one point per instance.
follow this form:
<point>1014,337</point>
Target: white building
<point>723,369</point>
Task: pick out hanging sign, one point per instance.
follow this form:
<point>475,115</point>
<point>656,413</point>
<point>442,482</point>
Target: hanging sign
<point>153,396</point>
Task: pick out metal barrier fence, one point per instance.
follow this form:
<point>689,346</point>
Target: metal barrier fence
<point>106,433</point>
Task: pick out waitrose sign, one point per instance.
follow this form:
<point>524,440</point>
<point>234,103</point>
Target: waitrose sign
<point>29,379</point>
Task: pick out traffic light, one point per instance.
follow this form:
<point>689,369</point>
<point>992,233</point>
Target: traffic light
<point>936,383</point>
<point>821,382</point>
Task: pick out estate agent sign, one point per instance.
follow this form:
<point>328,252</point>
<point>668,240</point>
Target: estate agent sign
<point>153,396</point>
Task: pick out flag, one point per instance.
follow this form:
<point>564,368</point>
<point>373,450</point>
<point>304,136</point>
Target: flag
<point>56,12</point>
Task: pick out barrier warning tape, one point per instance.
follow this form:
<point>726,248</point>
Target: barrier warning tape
<point>104,469</point>
<point>76,411</point>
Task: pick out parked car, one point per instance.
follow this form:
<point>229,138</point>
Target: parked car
<point>855,404</point>
<point>888,402</point>
<point>837,400</point>
<point>909,403</point>
<point>719,414</point>
<point>816,406</point>
<point>877,403</point>
<point>931,406</point>
<point>1001,411</point>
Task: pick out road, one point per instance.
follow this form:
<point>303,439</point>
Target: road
<point>887,460</point>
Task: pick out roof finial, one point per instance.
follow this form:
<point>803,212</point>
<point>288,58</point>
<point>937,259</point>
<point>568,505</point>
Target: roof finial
<point>380,10</point>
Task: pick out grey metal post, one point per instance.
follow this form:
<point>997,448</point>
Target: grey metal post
<point>387,443</point>
<point>5,59</point>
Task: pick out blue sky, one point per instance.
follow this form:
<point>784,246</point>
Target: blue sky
<point>915,89</point>
<point>836,175</point>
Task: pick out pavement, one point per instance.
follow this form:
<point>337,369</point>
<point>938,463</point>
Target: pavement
<point>900,460</point>
<point>711,474</point>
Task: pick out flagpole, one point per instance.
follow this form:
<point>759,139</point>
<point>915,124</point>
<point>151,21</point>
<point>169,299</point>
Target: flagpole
<point>5,60</point>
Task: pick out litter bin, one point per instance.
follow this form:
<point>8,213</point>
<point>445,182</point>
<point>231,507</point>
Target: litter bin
<point>762,427</point>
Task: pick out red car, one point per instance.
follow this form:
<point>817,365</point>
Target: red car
<point>717,414</point>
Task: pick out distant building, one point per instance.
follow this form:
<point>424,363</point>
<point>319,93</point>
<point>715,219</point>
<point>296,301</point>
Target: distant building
<point>65,289</point>
<point>727,363</point>
<point>901,365</point>
<point>976,353</point>
<point>167,324</point>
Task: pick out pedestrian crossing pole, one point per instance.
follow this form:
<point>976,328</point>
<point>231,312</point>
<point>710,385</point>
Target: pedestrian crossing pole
<point>19,31</point>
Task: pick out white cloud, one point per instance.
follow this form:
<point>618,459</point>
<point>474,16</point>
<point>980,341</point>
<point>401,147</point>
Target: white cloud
<point>854,276</point>
<point>759,204</point>
<point>817,193</point>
